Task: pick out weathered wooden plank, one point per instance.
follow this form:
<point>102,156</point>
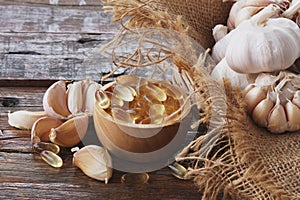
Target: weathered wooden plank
<point>54,2</point>
<point>54,19</point>
<point>28,173</point>
<point>44,42</point>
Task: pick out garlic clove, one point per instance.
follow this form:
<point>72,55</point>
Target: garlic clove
<point>219,31</point>
<point>236,7</point>
<point>42,127</point>
<point>293,116</point>
<point>248,88</point>
<point>89,98</point>
<point>55,100</point>
<point>261,112</point>
<point>277,122</point>
<point>296,98</point>
<point>70,132</point>
<point>246,13</point>
<point>75,97</point>
<point>95,162</point>
<point>24,119</point>
<point>254,96</point>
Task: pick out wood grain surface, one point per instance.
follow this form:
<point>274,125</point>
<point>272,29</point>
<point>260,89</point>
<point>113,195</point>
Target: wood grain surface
<point>39,40</point>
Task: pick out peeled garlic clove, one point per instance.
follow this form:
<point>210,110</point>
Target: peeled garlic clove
<point>254,96</point>
<point>94,161</point>
<point>261,112</point>
<point>293,116</point>
<point>42,127</point>
<point>24,119</point>
<point>75,97</point>
<point>55,100</point>
<point>89,98</point>
<point>277,122</point>
<point>70,132</point>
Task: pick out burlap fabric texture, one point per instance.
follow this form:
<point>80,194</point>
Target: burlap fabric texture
<point>245,161</point>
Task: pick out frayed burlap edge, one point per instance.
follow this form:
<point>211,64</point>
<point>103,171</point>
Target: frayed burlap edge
<point>228,165</point>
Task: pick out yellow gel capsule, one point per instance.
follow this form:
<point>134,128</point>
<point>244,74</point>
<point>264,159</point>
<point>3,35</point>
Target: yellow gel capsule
<point>123,92</point>
<point>157,109</point>
<point>153,91</point>
<point>171,90</point>
<point>171,105</point>
<point>41,146</point>
<point>120,114</point>
<point>102,99</point>
<point>51,158</point>
<point>135,178</point>
<point>115,101</point>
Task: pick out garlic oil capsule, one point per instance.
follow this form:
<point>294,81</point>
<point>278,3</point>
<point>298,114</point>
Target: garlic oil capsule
<point>123,92</point>
<point>153,91</point>
<point>171,90</point>
<point>102,99</point>
<point>121,115</point>
<point>41,146</point>
<point>51,158</point>
<point>157,109</point>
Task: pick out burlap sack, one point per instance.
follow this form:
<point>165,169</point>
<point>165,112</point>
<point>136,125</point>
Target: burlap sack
<point>244,161</point>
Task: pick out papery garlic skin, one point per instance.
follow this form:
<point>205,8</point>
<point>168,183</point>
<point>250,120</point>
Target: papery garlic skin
<point>70,132</point>
<point>55,101</point>
<point>42,127</point>
<point>95,162</point>
<point>262,111</point>
<point>293,113</point>
<point>264,45</point>
<point>24,119</point>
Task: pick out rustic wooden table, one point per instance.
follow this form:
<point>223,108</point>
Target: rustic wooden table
<point>42,41</point>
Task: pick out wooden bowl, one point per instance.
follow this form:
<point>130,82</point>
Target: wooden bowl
<point>140,142</point>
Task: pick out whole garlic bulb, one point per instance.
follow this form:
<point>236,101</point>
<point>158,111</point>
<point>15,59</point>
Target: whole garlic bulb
<point>223,71</point>
<point>273,101</point>
<point>245,9</point>
<point>264,44</point>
